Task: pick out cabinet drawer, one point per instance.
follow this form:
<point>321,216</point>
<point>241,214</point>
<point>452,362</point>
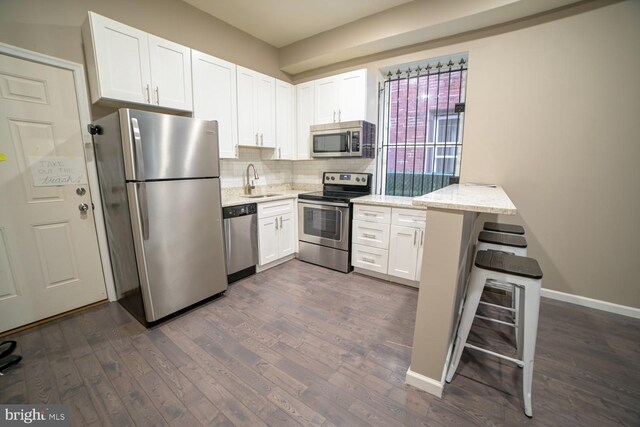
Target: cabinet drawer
<point>369,258</point>
<point>279,207</point>
<point>409,217</point>
<point>381,214</point>
<point>371,234</point>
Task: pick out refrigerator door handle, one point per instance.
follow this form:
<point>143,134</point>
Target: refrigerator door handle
<point>138,148</point>
<point>143,209</point>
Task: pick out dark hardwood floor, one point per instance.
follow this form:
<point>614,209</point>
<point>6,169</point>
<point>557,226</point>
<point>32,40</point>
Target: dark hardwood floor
<point>303,345</point>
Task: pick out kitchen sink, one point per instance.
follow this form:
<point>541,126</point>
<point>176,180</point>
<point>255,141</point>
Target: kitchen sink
<point>261,196</point>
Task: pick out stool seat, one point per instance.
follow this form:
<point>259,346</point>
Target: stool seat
<point>504,228</point>
<point>502,239</point>
<point>504,262</point>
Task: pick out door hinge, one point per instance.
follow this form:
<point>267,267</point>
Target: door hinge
<point>93,207</point>
<point>94,129</point>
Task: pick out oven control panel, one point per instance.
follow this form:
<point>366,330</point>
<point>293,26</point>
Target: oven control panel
<point>346,178</point>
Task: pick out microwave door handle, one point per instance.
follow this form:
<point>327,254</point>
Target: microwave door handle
<point>348,141</point>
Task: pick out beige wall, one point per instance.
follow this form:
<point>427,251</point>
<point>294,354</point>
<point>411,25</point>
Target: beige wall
<point>553,116</point>
<point>53,27</point>
<point>553,109</point>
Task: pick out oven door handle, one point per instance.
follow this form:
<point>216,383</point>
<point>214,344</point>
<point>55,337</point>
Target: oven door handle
<point>311,203</point>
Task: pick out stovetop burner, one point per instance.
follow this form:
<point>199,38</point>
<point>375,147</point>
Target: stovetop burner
<point>341,187</point>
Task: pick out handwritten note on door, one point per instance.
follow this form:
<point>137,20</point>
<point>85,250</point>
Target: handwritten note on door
<point>52,171</point>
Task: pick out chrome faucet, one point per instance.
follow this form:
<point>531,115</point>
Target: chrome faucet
<point>250,186</point>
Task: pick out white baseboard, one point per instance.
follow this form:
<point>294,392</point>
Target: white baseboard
<point>423,383</point>
<point>272,264</point>
<point>592,303</point>
<point>387,277</point>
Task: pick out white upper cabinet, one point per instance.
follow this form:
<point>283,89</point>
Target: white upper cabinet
<point>345,97</point>
<point>304,119</point>
<point>353,96</point>
<point>266,110</point>
<point>117,60</point>
<point>128,65</point>
<point>247,125</point>
<point>285,103</point>
<point>326,100</point>
<point>256,108</point>
<point>214,98</point>
<point>170,74</point>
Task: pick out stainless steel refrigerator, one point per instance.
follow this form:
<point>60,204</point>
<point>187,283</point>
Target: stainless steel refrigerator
<point>160,187</point>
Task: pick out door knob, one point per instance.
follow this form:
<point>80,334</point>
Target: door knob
<point>83,207</point>
<point>81,191</point>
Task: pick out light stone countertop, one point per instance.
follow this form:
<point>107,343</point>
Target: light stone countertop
<point>465,197</point>
<point>390,201</point>
<point>236,196</point>
<point>241,199</point>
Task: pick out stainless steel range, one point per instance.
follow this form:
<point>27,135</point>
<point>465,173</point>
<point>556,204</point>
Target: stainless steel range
<point>324,219</point>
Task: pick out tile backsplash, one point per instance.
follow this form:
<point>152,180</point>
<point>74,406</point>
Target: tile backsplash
<point>233,172</point>
<point>310,171</point>
<point>276,172</point>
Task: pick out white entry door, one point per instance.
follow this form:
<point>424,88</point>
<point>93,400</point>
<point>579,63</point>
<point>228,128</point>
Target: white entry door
<point>49,258</point>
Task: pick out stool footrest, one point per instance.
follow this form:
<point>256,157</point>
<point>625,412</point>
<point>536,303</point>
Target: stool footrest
<point>501,307</point>
<point>490,319</point>
<point>493,353</point>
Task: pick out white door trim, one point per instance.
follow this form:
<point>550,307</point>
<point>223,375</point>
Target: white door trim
<point>85,119</point>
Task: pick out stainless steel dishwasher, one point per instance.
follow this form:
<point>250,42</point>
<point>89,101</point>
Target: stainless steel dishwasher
<point>241,240</point>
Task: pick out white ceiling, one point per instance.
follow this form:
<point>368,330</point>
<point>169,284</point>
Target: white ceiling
<point>282,22</point>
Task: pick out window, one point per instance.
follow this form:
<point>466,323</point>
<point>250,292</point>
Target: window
<point>420,125</point>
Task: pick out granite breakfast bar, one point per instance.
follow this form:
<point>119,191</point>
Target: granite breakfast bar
<point>452,223</point>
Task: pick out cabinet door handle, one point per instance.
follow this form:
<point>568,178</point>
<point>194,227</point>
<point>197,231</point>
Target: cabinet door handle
<point>334,116</point>
<point>280,223</point>
<point>148,95</point>
<point>339,114</point>
<point>276,221</point>
<point>279,152</point>
<point>369,260</point>
<point>421,237</point>
<point>236,150</point>
<point>415,237</point>
<point>261,139</point>
<point>157,95</point>
<point>369,236</point>
<point>257,142</point>
<point>369,214</point>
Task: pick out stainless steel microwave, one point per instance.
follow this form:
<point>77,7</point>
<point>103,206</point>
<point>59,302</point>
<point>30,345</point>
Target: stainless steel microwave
<point>344,139</point>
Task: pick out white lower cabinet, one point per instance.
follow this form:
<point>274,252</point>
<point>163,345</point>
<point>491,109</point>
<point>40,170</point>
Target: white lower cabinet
<point>404,245</point>
<point>276,231</point>
<point>370,234</point>
<point>389,242</point>
<point>370,258</point>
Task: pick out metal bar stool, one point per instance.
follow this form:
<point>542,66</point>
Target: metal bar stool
<point>523,272</point>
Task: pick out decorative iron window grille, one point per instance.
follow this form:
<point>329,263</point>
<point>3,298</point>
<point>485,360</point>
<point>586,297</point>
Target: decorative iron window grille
<point>420,128</point>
